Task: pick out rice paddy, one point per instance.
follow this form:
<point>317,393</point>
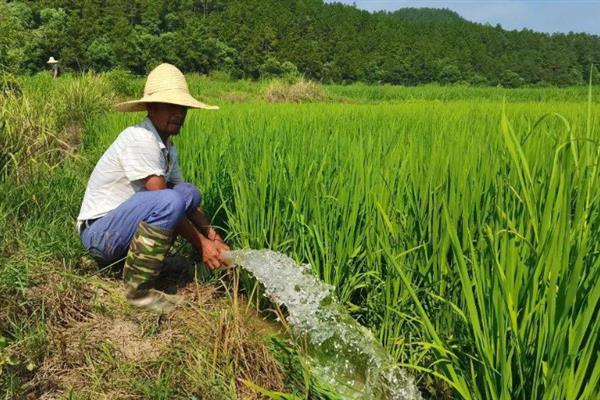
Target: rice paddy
<point>461,228</point>
<point>465,234</point>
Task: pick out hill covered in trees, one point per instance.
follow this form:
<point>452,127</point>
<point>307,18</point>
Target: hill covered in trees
<point>261,38</point>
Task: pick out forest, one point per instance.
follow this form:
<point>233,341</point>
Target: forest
<point>257,39</point>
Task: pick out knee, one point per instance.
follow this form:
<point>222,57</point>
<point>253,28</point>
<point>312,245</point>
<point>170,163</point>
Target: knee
<point>170,207</point>
<point>195,198</point>
<point>172,201</point>
<point>191,195</point>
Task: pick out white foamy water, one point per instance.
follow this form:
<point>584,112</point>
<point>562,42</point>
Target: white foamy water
<point>342,353</point>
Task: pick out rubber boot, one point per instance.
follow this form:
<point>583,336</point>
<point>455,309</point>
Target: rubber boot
<point>143,264</point>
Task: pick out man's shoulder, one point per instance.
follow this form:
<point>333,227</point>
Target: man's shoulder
<point>137,132</point>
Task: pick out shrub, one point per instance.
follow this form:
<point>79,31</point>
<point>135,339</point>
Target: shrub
<point>123,82</point>
<point>449,74</point>
<point>511,79</point>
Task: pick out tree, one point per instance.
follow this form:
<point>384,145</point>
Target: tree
<point>449,74</point>
<point>99,55</point>
<point>253,38</point>
<point>511,79</point>
<point>592,72</point>
<point>51,36</point>
<point>399,73</point>
<point>14,35</point>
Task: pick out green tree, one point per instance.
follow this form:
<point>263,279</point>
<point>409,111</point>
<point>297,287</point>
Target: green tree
<point>14,35</point>
<point>327,42</point>
<point>99,55</point>
<point>449,74</point>
<point>511,79</point>
<point>51,36</point>
<point>592,72</point>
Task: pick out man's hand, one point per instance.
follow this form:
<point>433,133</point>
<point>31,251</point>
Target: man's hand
<point>211,254</point>
<point>221,246</point>
<point>211,233</point>
<point>219,242</point>
<point>198,231</point>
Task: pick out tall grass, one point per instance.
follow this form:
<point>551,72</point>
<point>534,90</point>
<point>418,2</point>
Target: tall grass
<point>40,120</point>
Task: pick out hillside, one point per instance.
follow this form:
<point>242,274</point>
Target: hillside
<point>424,15</point>
<point>262,38</point>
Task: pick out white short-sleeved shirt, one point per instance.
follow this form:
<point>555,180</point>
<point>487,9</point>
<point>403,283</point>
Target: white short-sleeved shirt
<point>136,153</point>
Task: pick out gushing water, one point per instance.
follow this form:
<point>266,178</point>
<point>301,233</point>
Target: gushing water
<point>342,353</point>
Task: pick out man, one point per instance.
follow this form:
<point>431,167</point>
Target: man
<point>136,201</point>
<point>54,67</point>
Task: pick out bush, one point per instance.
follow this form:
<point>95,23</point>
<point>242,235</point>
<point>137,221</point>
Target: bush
<point>478,80</point>
<point>511,79</point>
<point>449,74</point>
<point>287,70</point>
<point>270,68</point>
<point>124,83</point>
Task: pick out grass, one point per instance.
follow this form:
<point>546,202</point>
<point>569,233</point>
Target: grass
<point>463,230</point>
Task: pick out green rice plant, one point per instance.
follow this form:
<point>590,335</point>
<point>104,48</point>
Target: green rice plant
<point>463,232</point>
<point>468,212</point>
<point>391,93</point>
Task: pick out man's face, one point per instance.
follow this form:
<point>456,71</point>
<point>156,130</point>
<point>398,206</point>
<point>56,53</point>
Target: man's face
<point>167,118</point>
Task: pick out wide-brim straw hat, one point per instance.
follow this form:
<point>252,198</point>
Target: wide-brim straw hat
<point>51,60</point>
<point>165,84</point>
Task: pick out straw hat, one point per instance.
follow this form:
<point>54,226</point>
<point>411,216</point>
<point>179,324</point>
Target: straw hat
<point>165,84</point>
<point>51,60</point>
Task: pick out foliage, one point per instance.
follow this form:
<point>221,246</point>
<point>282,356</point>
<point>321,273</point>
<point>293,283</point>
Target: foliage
<point>254,39</point>
<point>13,36</point>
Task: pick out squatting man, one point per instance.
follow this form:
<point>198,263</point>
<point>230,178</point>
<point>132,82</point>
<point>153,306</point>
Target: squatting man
<point>136,201</point>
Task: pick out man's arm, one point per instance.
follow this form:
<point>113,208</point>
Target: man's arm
<point>201,222</point>
<point>155,182</point>
<point>211,252</point>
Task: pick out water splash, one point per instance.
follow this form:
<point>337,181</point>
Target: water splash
<point>342,353</point>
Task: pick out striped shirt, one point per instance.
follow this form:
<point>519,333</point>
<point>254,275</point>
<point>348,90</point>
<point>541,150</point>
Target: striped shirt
<point>137,153</point>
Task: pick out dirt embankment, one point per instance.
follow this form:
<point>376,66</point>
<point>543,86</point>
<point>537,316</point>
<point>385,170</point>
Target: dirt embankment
<point>96,346</point>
